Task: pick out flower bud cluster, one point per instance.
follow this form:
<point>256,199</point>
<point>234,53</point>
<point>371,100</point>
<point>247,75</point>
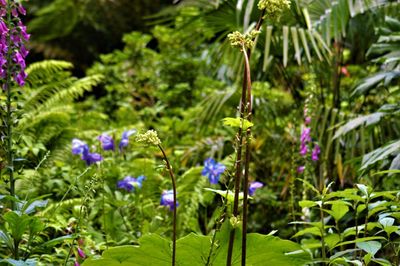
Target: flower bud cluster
<point>149,138</point>
<point>240,40</point>
<point>273,8</point>
<point>13,37</point>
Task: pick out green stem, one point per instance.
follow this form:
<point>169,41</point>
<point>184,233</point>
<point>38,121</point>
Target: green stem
<point>169,168</point>
<point>323,252</point>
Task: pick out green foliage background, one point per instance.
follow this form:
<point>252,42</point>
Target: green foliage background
<point>111,66</point>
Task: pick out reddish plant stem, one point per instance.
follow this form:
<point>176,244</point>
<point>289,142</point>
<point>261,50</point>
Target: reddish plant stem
<point>245,104</point>
<point>171,174</point>
<point>247,156</point>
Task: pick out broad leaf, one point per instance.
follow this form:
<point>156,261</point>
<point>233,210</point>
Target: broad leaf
<point>370,246</point>
<point>237,122</point>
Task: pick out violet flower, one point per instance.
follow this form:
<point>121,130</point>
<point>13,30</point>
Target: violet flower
<point>213,170</point>
<point>253,186</point>
<point>167,199</point>
<point>91,158</point>
<point>107,142</point>
<point>125,138</point>
<point>130,183</point>
<point>79,147</point>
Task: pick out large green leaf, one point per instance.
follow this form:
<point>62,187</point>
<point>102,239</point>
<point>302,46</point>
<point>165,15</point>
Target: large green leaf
<point>194,250</point>
<point>356,122</point>
<point>379,154</point>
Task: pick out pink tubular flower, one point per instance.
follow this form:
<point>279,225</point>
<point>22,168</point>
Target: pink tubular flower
<point>13,37</point>
<point>301,169</point>
<point>76,263</point>
<point>81,253</point>
<point>315,153</point>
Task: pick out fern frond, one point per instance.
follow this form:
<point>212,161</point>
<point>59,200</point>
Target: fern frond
<point>40,72</point>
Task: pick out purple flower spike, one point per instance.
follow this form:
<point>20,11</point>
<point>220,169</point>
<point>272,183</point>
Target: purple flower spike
<point>301,169</point>
<point>125,138</point>
<point>21,10</point>
<point>315,153</point>
<point>81,253</point>
<point>130,183</point>
<point>107,142</point>
<point>254,186</point>
<point>167,199</point>
<point>79,147</point>
<point>76,263</point>
<point>15,32</point>
<point>213,170</point>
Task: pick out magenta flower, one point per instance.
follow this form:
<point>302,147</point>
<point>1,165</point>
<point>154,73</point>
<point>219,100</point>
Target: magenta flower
<point>16,32</point>
<point>303,149</point>
<point>213,170</point>
<point>307,120</point>
<point>254,186</point>
<point>315,153</point>
<point>301,169</point>
<point>167,199</point>
<point>81,253</point>
<point>305,135</point>
<point>130,183</point>
<point>76,263</point>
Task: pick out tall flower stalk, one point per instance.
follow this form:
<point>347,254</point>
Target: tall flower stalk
<point>151,138</point>
<point>13,37</point>
<point>245,42</point>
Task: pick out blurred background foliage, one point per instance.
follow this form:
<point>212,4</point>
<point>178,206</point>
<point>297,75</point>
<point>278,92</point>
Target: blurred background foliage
<point>115,65</point>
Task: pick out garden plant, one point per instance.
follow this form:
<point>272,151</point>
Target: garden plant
<point>215,132</point>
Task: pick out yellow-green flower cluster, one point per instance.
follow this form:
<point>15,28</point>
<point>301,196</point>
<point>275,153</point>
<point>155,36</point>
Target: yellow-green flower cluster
<point>149,138</point>
<point>240,40</point>
<point>273,8</point>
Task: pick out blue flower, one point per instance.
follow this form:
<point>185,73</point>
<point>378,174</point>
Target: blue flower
<point>130,183</point>
<point>91,158</point>
<point>213,170</point>
<point>79,147</point>
<point>125,138</point>
<point>167,199</point>
<point>107,142</point>
<point>254,186</point>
